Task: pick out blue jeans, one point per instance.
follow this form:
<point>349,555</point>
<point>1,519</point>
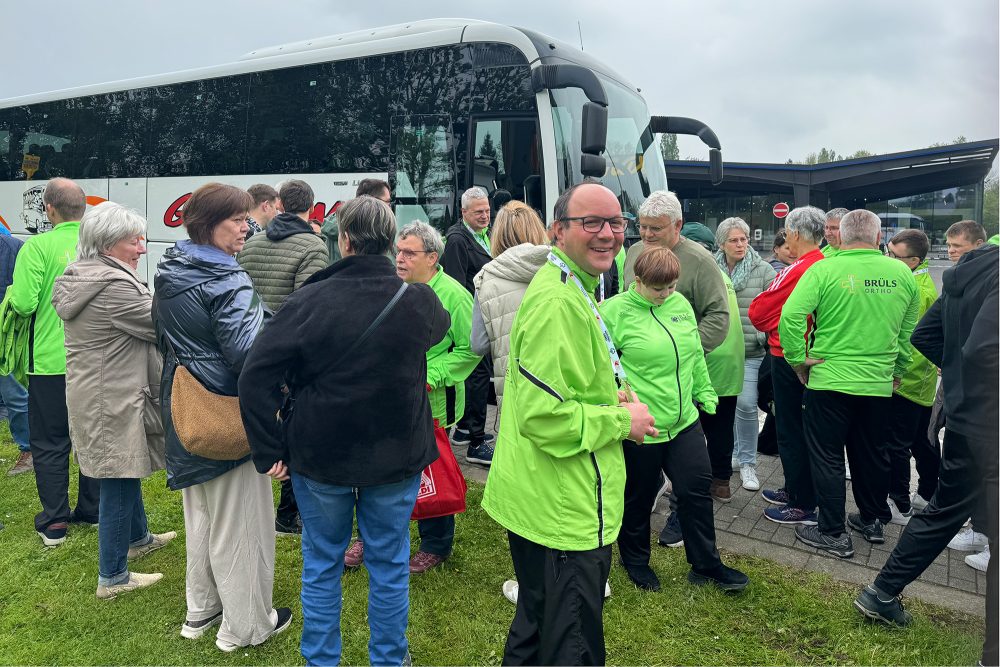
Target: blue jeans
<point>327,513</point>
<point>746,428</point>
<point>15,399</point>
<point>121,524</point>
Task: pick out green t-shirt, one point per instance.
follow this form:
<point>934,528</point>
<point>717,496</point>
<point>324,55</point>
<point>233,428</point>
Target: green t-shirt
<point>865,306</point>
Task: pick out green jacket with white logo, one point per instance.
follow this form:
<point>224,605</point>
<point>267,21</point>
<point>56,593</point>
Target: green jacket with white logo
<point>662,355</point>
<point>865,307</point>
<point>725,363</point>
<point>558,473</point>
<point>451,361</point>
<point>43,259</point>
<point>919,381</point>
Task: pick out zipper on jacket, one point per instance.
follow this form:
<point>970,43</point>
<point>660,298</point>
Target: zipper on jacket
<point>677,368</point>
<point>600,501</point>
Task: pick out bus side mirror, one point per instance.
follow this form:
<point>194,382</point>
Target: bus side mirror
<point>592,165</point>
<point>594,128</point>
<point>715,165</point>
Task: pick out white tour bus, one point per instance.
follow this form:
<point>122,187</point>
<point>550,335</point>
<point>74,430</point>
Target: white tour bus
<point>433,107</point>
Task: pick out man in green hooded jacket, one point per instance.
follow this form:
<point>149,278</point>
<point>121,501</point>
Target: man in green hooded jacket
<point>864,307</point>
<point>558,477</point>
<point>912,400</point>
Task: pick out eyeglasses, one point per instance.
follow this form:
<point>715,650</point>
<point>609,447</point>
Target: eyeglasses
<point>895,256</point>
<point>411,254</point>
<point>594,223</point>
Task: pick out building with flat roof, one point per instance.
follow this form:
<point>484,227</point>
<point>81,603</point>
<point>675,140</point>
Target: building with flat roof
<point>927,189</point>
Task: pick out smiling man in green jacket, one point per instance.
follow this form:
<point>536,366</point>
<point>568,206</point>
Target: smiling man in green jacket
<point>558,477</point>
<point>864,307</point>
<point>42,259</point>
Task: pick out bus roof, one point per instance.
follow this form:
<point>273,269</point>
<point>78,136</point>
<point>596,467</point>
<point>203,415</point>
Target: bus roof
<point>360,43</point>
<point>389,39</point>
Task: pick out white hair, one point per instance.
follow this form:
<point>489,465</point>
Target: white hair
<point>836,213</point>
<point>430,237</point>
<point>860,226</point>
<point>472,194</point>
<point>807,222</point>
<point>728,225</point>
<point>662,204</point>
<point>105,225</point>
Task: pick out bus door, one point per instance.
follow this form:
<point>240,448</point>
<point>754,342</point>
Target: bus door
<point>422,171</point>
<point>505,159</point>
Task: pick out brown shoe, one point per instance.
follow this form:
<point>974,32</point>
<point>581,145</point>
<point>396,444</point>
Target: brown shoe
<point>423,561</point>
<point>24,463</point>
<point>355,555</point>
<point>720,490</point>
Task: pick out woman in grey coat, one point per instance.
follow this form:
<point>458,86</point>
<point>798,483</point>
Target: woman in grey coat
<point>750,275</point>
<point>112,386</point>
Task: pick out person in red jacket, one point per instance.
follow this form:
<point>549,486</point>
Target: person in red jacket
<point>796,502</point>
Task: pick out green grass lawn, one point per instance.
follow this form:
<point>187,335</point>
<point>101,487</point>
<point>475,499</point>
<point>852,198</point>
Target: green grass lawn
<point>49,614</point>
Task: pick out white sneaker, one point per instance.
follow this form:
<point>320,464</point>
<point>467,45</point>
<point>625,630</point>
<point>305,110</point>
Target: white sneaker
<point>749,477</point>
<point>847,470</point>
<point>135,580</point>
<point>979,561</point>
<point>918,503</point>
<point>510,589</point>
<point>898,517</point>
<point>968,540</point>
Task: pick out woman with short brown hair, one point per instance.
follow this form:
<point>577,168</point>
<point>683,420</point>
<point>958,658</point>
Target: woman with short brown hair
<point>207,315</point>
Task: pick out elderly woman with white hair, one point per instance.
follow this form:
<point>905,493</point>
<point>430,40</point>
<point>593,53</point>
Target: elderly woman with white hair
<point>112,386</point>
<point>750,275</point>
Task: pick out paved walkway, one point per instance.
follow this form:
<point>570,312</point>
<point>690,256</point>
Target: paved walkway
<point>741,528</point>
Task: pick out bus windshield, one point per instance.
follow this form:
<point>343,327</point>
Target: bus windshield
<point>635,164</point>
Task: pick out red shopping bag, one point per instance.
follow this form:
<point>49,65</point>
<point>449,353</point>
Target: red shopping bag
<point>442,486</point>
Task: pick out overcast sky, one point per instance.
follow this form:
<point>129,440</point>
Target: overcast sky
<point>776,79</point>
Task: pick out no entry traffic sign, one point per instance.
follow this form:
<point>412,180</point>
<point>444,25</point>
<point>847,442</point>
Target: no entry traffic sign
<point>780,210</point>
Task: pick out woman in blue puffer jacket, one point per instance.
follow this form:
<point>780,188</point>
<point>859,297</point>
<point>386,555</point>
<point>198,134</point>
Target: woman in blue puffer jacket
<point>206,313</point>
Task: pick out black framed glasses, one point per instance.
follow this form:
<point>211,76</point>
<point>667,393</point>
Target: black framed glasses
<point>895,256</point>
<point>595,223</point>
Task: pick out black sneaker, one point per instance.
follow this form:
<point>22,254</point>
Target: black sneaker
<point>481,453</point>
<point>643,577</point>
<point>881,607</point>
<point>195,629</point>
<point>841,547</point>
<point>723,576</point>
<point>460,437</point>
<point>54,534</point>
<point>287,529</point>
<point>872,532</point>
<point>284,620</point>
<point>671,535</point>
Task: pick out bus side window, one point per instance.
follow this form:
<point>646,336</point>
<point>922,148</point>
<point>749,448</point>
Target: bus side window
<point>505,155</point>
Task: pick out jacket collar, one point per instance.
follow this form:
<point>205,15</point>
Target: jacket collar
<point>356,266</point>
<point>589,281</point>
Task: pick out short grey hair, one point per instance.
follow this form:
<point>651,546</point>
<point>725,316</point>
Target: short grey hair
<point>662,204</point>
<point>472,194</point>
<point>836,214</point>
<point>807,222</point>
<point>105,225</point>
<point>860,226</point>
<point>728,225</point>
<point>368,224</point>
<point>429,237</point>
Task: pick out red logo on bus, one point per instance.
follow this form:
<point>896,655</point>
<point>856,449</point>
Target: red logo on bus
<point>174,215</point>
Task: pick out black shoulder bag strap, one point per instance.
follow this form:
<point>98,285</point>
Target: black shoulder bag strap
<point>377,321</point>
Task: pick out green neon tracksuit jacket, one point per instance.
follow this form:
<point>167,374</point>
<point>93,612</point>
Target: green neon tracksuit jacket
<point>662,355</point>
<point>43,259</point>
<point>865,307</point>
<point>726,362</point>
<point>451,361</point>
<point>558,473</point>
<point>919,381</point>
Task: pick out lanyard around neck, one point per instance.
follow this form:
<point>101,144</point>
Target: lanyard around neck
<point>616,363</point>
